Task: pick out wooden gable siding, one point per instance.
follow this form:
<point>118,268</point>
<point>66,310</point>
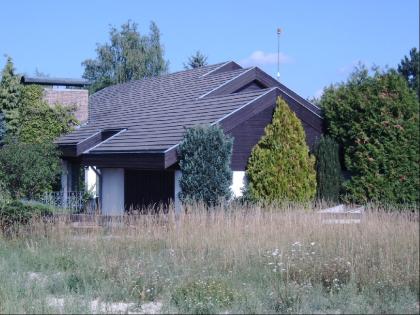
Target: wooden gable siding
<point>312,135</point>
<point>248,133</point>
<point>252,86</point>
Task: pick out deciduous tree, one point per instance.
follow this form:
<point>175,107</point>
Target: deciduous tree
<point>128,56</point>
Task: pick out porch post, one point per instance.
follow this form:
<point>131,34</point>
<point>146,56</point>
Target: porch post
<point>177,190</point>
<point>64,182</point>
<point>112,191</point>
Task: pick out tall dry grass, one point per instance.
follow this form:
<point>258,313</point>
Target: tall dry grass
<point>272,259</point>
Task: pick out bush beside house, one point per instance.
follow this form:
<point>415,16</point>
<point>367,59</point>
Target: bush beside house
<point>28,170</point>
<point>280,167</point>
<point>204,160</point>
<point>29,162</point>
<point>375,118</point>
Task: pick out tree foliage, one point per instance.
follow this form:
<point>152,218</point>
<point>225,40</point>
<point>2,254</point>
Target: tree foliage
<point>328,170</point>
<point>375,118</point>
<point>28,170</point>
<point>128,56</point>
<point>196,61</point>
<point>409,68</point>
<point>280,167</point>
<point>205,154</point>
<point>10,90</point>
<point>2,128</point>
<point>40,122</point>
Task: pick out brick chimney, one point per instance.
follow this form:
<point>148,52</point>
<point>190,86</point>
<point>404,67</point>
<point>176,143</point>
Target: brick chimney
<point>67,92</point>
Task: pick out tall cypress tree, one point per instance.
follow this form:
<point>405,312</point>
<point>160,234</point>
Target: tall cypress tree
<point>280,167</point>
<point>328,170</point>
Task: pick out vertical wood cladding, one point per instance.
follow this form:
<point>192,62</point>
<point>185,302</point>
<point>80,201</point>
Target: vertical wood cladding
<point>144,189</point>
<point>247,134</point>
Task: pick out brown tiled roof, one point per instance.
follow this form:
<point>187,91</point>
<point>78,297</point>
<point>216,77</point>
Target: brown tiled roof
<point>153,113</point>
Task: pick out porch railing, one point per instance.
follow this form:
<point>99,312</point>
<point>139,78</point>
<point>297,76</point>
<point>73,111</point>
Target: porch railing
<point>72,202</point>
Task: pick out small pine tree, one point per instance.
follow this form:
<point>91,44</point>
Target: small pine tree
<point>328,170</point>
<point>205,155</point>
<point>196,61</point>
<point>10,90</point>
<point>280,167</point>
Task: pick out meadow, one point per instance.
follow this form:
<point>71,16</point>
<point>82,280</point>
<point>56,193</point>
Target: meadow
<point>235,260</point>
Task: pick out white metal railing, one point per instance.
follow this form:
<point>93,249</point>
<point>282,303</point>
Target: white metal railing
<point>71,202</point>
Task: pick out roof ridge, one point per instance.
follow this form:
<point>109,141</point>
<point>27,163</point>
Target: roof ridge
<point>164,75</point>
<point>259,91</point>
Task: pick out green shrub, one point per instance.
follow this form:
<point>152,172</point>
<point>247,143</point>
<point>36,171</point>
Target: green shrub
<point>203,296</point>
<point>328,170</point>
<point>280,167</point>
<point>376,120</point>
<point>16,213</point>
<point>75,283</point>
<point>65,263</point>
<point>28,170</point>
<point>39,122</point>
<point>147,287</point>
<point>205,154</point>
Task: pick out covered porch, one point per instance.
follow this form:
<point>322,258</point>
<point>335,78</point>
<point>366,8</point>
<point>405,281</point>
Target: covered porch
<point>124,190</point>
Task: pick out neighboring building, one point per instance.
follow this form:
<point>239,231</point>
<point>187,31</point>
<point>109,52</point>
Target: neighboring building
<point>65,92</point>
<point>134,129</point>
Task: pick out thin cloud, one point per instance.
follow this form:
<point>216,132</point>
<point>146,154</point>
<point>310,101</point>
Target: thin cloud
<point>261,58</point>
<point>319,93</point>
<point>347,69</point>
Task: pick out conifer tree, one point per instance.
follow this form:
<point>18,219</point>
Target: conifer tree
<point>375,117</point>
<point>10,90</point>
<point>2,128</point>
<point>280,167</point>
<point>205,154</point>
<point>196,61</point>
<point>328,170</point>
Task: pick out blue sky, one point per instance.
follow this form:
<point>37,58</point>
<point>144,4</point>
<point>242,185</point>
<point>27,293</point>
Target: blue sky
<point>321,42</point>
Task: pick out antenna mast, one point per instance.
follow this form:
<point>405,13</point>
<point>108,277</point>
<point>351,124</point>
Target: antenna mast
<point>279,30</point>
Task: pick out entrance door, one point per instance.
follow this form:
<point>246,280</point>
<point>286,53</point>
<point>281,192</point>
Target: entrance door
<point>148,189</point>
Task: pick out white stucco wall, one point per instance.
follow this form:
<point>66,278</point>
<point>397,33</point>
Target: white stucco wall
<point>112,195</point>
<point>91,181</point>
<point>238,182</point>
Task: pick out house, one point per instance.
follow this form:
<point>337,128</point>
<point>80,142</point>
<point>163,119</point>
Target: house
<point>67,92</point>
<point>134,129</point>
